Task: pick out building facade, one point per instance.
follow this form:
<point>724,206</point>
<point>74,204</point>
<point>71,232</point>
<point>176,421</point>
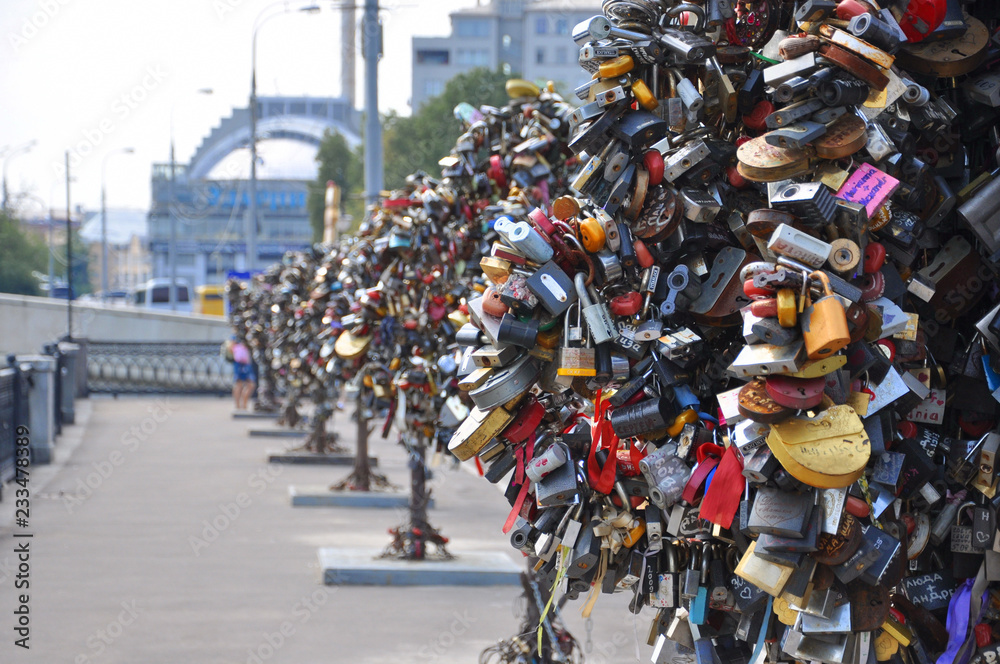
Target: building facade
<point>208,199</point>
<point>528,37</point>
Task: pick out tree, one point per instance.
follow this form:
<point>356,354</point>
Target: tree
<point>337,162</point>
<point>20,254</point>
<point>410,144</point>
<point>419,141</point>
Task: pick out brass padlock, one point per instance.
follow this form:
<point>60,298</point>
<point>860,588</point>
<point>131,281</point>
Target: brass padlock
<point>824,322</point>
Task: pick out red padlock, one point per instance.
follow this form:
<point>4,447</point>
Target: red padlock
<point>798,393</point>
<point>653,161</point>
<point>492,304</point>
<point>984,635</point>
<point>872,287</point>
<point>874,258</point>
<point>735,178</point>
<point>756,292</point>
<point>756,119</point>
<point>496,171</point>
<point>919,18</point>
<point>626,305</point>
<point>857,507</point>
<point>848,9</point>
<point>767,308</point>
<point>642,254</point>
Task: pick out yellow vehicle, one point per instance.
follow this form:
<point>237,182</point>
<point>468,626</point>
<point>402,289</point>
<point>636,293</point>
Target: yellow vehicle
<point>210,300</point>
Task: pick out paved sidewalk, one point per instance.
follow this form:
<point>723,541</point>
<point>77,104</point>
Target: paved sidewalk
<point>165,537</point>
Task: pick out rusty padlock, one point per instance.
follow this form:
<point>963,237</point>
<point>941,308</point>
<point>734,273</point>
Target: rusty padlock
<point>824,323</point>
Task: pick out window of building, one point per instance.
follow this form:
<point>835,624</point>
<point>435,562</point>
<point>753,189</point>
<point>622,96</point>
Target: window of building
<point>471,27</point>
<point>297,108</point>
<point>433,87</point>
<point>562,57</point>
<point>506,41</point>
<point>432,57</point>
<point>318,109</point>
<point>472,57</point>
<point>541,25</point>
<point>540,56</point>
<point>562,26</point>
<point>506,69</point>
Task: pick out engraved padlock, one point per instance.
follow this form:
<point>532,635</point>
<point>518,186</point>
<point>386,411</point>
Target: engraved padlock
<point>601,327</point>
<point>824,322</point>
<point>573,360</point>
<point>961,536</point>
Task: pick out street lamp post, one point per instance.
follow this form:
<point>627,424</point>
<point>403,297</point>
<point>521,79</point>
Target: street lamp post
<point>104,220</point>
<point>252,227</point>
<point>172,212</point>
<point>372,45</point>
<point>69,259</point>
<point>13,153</point>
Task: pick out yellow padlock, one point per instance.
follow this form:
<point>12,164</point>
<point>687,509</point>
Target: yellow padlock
<point>592,235</point>
<point>787,315</point>
<point>644,96</point>
<point>688,416</point>
<point>616,67</point>
<point>824,322</point>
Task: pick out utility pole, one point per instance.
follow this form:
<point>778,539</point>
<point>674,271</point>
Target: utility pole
<point>69,260</point>
<point>347,58</point>
<point>172,211</point>
<point>372,51</point>
<point>251,223</point>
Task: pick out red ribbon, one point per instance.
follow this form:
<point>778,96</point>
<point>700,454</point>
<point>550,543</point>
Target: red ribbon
<point>523,455</point>
<point>722,497</point>
<point>603,479</point>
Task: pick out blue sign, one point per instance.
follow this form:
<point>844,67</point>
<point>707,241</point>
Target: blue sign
<point>284,200</point>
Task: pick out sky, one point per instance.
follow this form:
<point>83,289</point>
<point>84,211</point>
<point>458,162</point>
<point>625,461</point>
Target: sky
<point>96,77</point>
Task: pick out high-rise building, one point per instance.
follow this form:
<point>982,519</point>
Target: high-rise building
<point>530,38</point>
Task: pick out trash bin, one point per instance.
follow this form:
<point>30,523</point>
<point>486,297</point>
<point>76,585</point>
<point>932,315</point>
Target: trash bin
<point>81,368</point>
<point>68,366</point>
<point>41,404</point>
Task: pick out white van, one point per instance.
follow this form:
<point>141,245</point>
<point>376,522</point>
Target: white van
<point>155,294</point>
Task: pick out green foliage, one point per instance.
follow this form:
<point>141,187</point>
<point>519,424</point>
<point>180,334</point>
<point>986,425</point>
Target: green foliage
<point>410,144</point>
<point>419,141</point>
<point>20,253</point>
<point>344,166</point>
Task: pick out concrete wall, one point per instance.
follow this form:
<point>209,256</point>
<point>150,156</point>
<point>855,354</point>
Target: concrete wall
<point>26,323</point>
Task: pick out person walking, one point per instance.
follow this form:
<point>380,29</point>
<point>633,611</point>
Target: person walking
<point>245,380</point>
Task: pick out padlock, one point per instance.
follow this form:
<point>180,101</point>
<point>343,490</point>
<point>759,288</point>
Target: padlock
<point>573,360</point>
<point>601,328</point>
<point>824,323</point>
<point>553,288</point>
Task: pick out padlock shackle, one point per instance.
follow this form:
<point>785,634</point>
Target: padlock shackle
<point>580,282</point>
<point>675,12</point>
<point>823,279</point>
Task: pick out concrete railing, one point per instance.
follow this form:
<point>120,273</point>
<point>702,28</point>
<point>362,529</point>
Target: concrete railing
<point>25,322</point>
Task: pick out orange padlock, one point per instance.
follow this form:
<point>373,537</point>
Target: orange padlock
<point>824,322</point>
<point>592,235</point>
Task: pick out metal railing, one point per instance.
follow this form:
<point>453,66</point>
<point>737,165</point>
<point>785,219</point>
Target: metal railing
<point>157,368</point>
<point>13,412</point>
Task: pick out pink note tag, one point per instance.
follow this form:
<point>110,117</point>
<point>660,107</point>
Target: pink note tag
<point>868,186</point>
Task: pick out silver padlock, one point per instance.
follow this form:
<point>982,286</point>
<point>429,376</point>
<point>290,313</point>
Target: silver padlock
<point>602,328</point>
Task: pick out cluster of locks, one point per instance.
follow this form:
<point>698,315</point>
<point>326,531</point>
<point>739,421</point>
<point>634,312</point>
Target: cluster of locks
<point>746,368</point>
<point>374,316</point>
